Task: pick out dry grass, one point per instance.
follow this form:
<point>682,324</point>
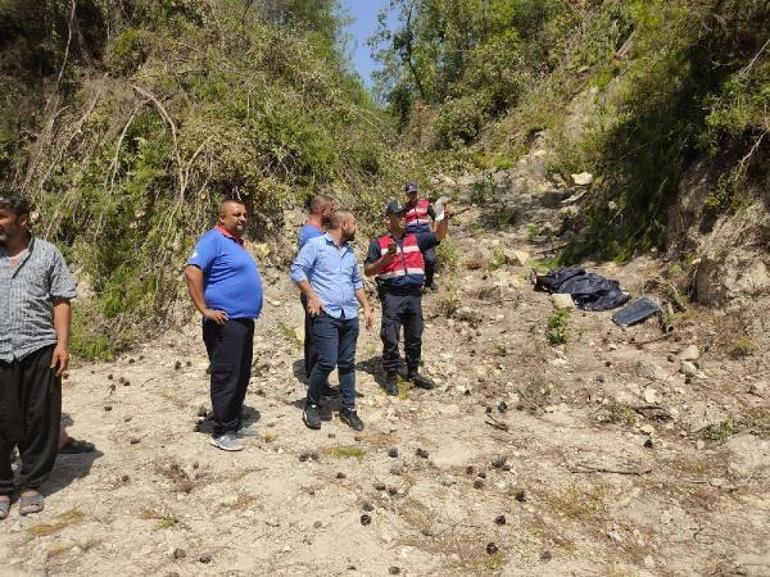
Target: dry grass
<point>242,503</point>
<point>164,520</point>
<point>67,519</point>
<point>584,502</point>
<point>180,479</point>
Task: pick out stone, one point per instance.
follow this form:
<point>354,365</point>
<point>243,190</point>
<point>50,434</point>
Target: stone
<point>651,371</point>
<point>650,396</point>
<point>754,565</point>
<point>582,178</point>
<point>758,389</point>
<point>562,301</point>
<point>689,353</point>
<point>649,562</point>
<point>553,198</point>
<point>299,334</point>
<point>688,369</point>
<point>702,415</point>
<point>516,257</point>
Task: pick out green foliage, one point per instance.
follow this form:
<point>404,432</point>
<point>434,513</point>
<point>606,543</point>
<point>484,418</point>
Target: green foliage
<point>470,58</point>
<point>201,101</point>
<point>347,452</point>
<point>755,422</point>
<point>447,256</point>
<point>741,347</point>
<point>458,122</point>
<point>618,413</point>
<point>680,63</point>
<point>556,329</point>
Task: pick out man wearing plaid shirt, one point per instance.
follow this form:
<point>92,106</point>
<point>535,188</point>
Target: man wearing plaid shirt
<point>35,292</point>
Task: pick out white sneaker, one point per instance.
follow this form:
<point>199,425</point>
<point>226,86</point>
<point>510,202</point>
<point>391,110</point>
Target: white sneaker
<point>248,431</point>
<point>227,442</point>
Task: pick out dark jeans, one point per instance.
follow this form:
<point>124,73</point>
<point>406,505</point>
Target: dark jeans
<point>335,340</point>
<point>398,310</point>
<point>311,354</point>
<point>230,348</point>
<point>30,414</point>
<point>430,261</point>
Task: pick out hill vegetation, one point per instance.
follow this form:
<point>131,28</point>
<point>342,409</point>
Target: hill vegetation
<point>672,82</point>
<point>126,120</point>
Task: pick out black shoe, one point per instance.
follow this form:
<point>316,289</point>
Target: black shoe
<point>311,416</point>
<point>420,381</point>
<point>432,287</point>
<point>391,383</point>
<point>329,391</point>
<point>351,419</point>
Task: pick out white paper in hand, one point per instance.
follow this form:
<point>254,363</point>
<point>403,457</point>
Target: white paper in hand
<point>438,208</point>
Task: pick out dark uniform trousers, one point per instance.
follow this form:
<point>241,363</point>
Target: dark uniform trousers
<point>430,258</point>
<point>401,310</point>
<point>310,350</point>
<point>230,348</point>
<point>30,412</point>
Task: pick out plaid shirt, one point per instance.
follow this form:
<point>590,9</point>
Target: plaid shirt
<point>27,291</point>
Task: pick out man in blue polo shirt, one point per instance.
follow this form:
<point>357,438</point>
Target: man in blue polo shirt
<point>326,271</point>
<point>224,284</point>
<point>321,208</point>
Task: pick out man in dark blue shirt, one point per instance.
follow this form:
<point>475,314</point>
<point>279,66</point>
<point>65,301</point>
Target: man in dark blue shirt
<point>396,260</point>
<point>224,284</point>
<point>321,209</point>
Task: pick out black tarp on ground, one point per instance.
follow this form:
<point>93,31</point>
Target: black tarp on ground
<point>590,291</point>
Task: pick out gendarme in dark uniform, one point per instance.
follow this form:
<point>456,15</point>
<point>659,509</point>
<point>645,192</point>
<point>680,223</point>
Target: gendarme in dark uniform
<point>396,260</point>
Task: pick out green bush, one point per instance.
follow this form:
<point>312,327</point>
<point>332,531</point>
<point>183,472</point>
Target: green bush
<point>556,330</point>
<point>459,121</point>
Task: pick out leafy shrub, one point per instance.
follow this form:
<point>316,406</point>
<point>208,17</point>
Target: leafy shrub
<point>556,330</point>
<point>459,121</point>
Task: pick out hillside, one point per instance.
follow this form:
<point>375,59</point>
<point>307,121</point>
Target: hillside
<point>630,138</point>
<point>594,457</point>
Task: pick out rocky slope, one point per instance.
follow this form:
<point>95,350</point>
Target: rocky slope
<point>622,452</point>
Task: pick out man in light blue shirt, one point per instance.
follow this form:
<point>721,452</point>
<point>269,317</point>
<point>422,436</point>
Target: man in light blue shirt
<point>326,271</point>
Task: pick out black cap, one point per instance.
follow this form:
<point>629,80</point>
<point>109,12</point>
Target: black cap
<point>394,208</point>
<point>410,187</point>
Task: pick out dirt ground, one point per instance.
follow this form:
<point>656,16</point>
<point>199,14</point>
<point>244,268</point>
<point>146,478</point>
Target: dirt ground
<point>594,457</point>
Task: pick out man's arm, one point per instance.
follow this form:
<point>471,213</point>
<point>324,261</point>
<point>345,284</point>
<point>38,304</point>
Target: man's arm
<point>442,227</point>
<point>62,316</point>
<point>364,302</point>
<point>194,277</point>
<point>302,265</point>
<point>314,304</point>
<point>374,262</point>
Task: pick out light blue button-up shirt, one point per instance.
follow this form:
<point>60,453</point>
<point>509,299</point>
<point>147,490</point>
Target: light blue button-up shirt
<point>333,273</point>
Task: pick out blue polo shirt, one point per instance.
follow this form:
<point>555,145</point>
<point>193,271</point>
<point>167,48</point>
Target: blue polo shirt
<point>231,280</point>
<point>308,231</point>
<point>333,273</point>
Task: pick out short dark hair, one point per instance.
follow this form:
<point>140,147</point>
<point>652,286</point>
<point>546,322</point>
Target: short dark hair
<point>339,216</point>
<point>229,200</point>
<point>11,200</point>
<point>318,202</point>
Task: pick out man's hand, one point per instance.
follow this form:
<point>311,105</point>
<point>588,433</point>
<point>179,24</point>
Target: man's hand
<point>368,318</point>
<point>219,317</point>
<point>389,256</point>
<point>314,306</point>
<point>60,359</point>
